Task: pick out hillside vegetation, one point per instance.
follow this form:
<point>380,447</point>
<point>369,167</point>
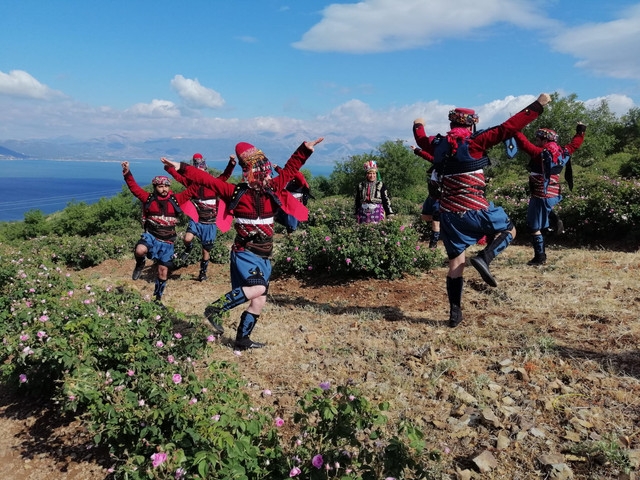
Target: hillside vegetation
<point>361,377</point>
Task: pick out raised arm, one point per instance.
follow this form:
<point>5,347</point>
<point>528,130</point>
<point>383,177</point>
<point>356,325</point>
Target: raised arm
<point>494,135</point>
<point>526,146</point>
<point>229,169</point>
<point>174,173</point>
<point>295,162</point>
<point>578,138</point>
<point>137,191</point>
<point>195,175</point>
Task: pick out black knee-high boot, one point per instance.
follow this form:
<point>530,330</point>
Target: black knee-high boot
<point>433,241</point>
<point>229,300</point>
<point>137,271</point>
<point>187,250</point>
<point>202,276</point>
<point>159,289</point>
<point>454,292</point>
<point>247,323</point>
<point>539,255</point>
<point>481,261</point>
<point>498,243</point>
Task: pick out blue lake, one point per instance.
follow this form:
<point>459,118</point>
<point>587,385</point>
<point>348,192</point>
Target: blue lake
<point>50,185</point>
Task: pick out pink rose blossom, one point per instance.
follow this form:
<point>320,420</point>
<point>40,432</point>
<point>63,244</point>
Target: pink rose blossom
<point>295,471</point>
<point>158,459</point>
<point>317,461</point>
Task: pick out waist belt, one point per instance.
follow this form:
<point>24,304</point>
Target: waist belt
<point>255,221</point>
<point>370,206</point>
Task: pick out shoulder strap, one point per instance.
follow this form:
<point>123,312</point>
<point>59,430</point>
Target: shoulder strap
<point>152,197</point>
<point>174,202</point>
<point>241,189</point>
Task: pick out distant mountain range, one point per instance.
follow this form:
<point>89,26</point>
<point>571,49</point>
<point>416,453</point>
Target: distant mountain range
<point>118,147</point>
<point>10,154</point>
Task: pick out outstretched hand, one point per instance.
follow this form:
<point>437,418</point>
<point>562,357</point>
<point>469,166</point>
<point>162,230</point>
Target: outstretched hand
<point>544,98</point>
<point>313,143</point>
<point>125,168</point>
<point>168,162</point>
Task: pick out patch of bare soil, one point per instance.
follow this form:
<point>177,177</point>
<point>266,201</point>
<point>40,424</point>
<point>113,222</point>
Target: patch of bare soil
<point>547,360</point>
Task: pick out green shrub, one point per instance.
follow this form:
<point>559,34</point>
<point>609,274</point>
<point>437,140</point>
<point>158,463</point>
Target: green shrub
<point>630,168</point>
<point>599,209</point>
<point>133,371</point>
<point>385,250</point>
<point>83,252</point>
<point>341,435</point>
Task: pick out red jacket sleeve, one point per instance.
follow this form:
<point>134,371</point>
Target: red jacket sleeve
<point>526,146</point>
<point>420,136</point>
<point>423,154</point>
<point>220,187</point>
<point>575,143</point>
<point>293,165</point>
<point>494,135</point>
<point>174,173</point>
<point>227,171</point>
<point>138,192</point>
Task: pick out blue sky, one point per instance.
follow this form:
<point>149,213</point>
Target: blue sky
<point>354,72</point>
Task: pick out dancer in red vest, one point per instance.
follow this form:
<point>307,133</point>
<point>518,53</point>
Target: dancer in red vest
<point>253,205</point>
<point>206,208</point>
<point>160,215</point>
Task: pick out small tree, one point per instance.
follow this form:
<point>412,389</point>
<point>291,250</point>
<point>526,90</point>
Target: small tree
<point>401,171</point>
<point>35,224</point>
<point>563,114</point>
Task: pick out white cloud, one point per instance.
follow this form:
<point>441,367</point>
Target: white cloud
<point>388,25</point>
<point>353,124</point>
<point>194,94</point>
<point>19,83</point>
<point>157,108</point>
<point>618,104</point>
<point>609,48</point>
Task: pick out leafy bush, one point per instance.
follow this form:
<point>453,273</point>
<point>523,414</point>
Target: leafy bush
<point>599,209</point>
<point>337,211</point>
<point>133,371</point>
<point>83,252</point>
<point>340,434</point>
<point>385,250</point>
<point>630,168</point>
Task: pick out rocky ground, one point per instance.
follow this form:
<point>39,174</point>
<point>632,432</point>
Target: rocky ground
<point>541,380</point>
